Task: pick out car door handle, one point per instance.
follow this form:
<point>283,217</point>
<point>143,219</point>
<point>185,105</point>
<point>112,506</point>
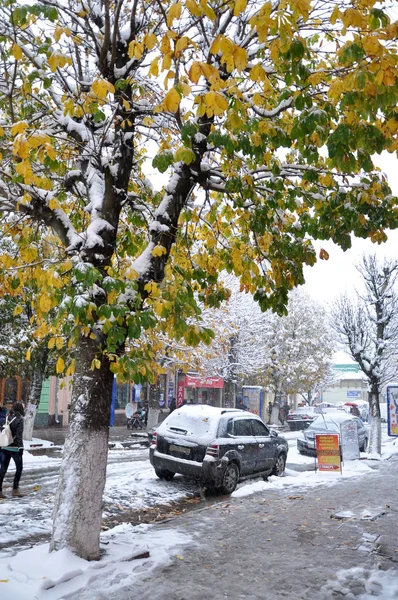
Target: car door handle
<point>240,447</point>
<point>261,445</point>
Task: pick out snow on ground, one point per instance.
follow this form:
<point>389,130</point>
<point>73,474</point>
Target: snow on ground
<point>35,573</point>
<point>367,583</point>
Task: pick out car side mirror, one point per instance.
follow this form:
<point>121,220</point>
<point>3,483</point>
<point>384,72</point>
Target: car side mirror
<point>273,433</point>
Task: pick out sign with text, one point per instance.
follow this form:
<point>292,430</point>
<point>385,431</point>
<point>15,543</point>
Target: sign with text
<point>349,440</point>
<point>328,451</point>
<point>353,393</point>
<point>207,382</point>
<point>180,393</point>
<point>392,410</point>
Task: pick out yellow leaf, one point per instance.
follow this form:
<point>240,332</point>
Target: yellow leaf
<point>60,366</point>
<point>18,127</point>
<point>150,40</point>
<point>336,14</point>
<point>95,364</point>
<point>159,251</point>
<point>36,488</point>
<point>51,343</point>
<point>71,369</point>
<point>44,303</point>
<point>172,100</point>
<point>240,7</point>
<point>179,557</point>
<point>154,68</point>
<point>195,72</point>
<point>58,60</point>
<point>16,52</point>
<point>194,8</point>
<point>29,352</point>
<point>1,132</point>
<point>59,342</point>
<point>240,58</point>
<point>182,43</point>
<point>17,310</point>
<point>166,62</point>
<point>101,87</point>
<point>136,49</point>
<point>174,13</point>
<point>165,47</point>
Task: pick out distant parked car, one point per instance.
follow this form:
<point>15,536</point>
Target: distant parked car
<point>330,423</point>
<point>302,417</point>
<point>220,446</point>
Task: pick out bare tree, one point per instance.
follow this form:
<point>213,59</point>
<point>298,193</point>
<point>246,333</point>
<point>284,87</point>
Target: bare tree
<point>368,327</point>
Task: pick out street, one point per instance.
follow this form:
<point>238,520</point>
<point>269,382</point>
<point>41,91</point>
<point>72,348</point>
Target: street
<point>307,535</point>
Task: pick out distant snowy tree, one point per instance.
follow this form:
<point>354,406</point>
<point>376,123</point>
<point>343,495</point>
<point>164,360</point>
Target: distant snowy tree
<point>368,327</point>
<point>297,349</point>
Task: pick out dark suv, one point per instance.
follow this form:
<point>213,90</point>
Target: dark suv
<point>218,445</point>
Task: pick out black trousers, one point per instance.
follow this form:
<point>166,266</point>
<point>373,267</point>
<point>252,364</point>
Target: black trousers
<point>5,457</point>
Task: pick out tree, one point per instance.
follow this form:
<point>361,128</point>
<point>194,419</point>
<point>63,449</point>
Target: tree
<point>273,111</point>
<point>368,326</point>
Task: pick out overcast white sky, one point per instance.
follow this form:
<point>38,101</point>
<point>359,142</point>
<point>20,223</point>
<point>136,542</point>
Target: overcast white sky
<point>328,279</point>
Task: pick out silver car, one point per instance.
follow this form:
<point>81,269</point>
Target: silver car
<point>330,423</point>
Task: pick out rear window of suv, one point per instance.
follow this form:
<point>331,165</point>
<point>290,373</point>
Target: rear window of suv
<point>195,424</point>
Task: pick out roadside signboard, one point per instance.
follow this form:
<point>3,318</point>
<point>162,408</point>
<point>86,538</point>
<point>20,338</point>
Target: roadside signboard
<point>349,440</point>
<point>392,410</point>
<point>328,451</point>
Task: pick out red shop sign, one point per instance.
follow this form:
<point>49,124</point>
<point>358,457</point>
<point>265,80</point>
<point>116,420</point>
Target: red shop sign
<point>207,382</point>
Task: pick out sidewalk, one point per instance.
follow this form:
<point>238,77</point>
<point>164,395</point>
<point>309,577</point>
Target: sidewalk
<point>290,543</point>
<point>57,435</point>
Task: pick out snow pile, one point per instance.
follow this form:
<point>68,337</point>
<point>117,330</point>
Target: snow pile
<point>38,574</point>
<point>362,584</point>
<point>294,479</point>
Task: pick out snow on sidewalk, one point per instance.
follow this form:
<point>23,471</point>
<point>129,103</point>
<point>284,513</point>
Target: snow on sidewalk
<point>40,575</point>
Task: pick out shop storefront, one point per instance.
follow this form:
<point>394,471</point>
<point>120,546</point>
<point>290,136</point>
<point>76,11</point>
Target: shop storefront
<point>197,390</point>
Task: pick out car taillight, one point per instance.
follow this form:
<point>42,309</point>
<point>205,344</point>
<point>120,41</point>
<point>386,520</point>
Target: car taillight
<point>154,438</point>
<point>212,450</point>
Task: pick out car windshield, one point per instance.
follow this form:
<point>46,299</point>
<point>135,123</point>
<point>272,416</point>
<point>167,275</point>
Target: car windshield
<point>330,421</point>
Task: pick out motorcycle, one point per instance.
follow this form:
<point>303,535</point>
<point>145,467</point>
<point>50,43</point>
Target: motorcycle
<point>137,421</point>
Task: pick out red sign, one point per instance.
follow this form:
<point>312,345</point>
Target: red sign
<point>328,452</point>
<point>208,382</point>
<point>180,393</point>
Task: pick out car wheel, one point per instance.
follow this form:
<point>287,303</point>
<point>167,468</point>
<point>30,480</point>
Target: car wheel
<point>230,479</point>
<point>164,474</point>
<point>280,464</point>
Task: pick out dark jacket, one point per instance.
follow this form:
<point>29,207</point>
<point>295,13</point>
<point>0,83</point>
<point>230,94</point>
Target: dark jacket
<point>16,422</point>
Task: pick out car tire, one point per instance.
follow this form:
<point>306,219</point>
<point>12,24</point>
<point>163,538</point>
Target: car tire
<point>164,474</point>
<point>280,464</point>
<point>230,478</point>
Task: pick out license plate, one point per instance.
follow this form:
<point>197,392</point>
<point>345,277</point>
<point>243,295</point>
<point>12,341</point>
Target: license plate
<point>180,449</point>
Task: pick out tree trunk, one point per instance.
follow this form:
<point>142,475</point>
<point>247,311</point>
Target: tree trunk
<point>274,420</point>
<point>375,421</point>
<point>33,403</point>
<point>78,502</point>
<point>229,394</point>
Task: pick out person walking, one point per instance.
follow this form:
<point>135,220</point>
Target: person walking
<point>14,450</point>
